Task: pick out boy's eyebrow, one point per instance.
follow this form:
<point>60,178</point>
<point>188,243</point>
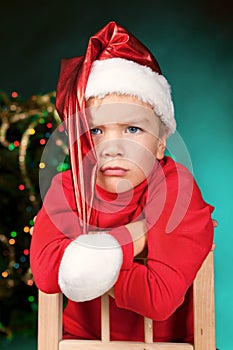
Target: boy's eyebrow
<point>123,122</point>
<point>135,121</point>
<point>120,114</point>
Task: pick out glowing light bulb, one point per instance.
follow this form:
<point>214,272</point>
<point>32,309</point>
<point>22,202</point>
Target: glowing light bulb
<point>21,187</point>
<point>42,142</point>
<point>14,94</point>
<point>32,131</point>
<point>13,234</point>
<point>42,165</point>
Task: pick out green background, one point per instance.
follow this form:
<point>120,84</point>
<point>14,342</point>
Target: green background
<point>192,41</point>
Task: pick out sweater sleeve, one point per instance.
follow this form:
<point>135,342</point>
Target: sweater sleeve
<point>180,235</point>
<point>55,227</point>
<point>82,266</point>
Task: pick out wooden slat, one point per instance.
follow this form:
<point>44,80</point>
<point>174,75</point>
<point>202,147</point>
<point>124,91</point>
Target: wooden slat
<point>49,321</point>
<point>119,345</point>
<point>148,330</point>
<point>105,319</point>
<point>204,310</point>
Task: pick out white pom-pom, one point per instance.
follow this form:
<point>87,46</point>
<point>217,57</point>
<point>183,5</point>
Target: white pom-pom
<point>90,266</point>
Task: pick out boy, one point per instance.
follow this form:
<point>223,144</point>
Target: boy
<point>126,195</point>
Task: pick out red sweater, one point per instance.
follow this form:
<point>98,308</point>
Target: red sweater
<point>180,235</point>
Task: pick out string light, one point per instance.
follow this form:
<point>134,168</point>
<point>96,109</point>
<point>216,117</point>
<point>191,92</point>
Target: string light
<point>47,134</point>
<point>12,241</point>
<point>14,94</point>
<point>13,108</point>
<point>41,120</point>
<point>22,258</point>
<point>29,209</point>
<point>36,110</point>
<point>31,131</point>
<point>16,143</point>
<point>61,128</point>
<point>62,167</point>
<point>42,142</point>
<point>42,165</point>
<point>11,147</point>
<point>49,109</point>
<point>37,117</point>
<point>5,274</point>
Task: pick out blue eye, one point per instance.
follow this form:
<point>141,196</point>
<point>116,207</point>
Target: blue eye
<point>96,131</point>
<point>133,129</point>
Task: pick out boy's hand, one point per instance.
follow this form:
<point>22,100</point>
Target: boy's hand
<point>215,224</point>
<point>111,292</point>
<point>32,228</point>
<point>138,232</point>
<point>97,231</point>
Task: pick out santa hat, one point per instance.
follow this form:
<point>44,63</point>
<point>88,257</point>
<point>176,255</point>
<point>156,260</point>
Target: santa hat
<point>114,62</point>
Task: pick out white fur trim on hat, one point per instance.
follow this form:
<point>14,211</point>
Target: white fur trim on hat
<point>90,266</point>
<point>118,75</point>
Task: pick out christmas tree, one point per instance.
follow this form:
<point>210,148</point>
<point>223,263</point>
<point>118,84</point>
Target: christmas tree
<point>25,129</point>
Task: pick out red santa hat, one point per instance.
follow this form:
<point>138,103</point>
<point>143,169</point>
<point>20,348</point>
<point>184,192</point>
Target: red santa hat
<point>114,62</point>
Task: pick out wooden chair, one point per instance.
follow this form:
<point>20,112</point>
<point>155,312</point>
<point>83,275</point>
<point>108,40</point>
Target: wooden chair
<point>50,321</point>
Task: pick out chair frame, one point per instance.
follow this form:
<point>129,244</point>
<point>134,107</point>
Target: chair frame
<point>51,309</point>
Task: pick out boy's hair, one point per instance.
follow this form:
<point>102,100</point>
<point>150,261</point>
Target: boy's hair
<point>163,129</point>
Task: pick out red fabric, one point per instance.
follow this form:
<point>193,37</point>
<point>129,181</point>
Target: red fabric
<point>180,235</point>
<point>110,42</point>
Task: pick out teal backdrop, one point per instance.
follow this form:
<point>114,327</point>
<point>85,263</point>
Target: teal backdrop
<point>192,41</point>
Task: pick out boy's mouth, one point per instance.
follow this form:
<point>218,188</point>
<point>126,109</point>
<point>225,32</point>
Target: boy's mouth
<point>113,171</point>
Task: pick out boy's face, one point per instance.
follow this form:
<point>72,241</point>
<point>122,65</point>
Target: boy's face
<point>125,134</point>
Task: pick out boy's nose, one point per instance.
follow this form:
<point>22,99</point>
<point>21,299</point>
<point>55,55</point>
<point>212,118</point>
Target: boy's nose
<point>113,148</point>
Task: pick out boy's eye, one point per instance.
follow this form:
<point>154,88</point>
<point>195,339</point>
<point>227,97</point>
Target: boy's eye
<point>133,129</point>
<point>96,131</point>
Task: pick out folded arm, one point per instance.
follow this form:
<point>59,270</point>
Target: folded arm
<point>63,259</point>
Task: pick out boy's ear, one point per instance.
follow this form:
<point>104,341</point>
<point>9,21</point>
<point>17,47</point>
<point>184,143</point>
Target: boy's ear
<point>161,147</point>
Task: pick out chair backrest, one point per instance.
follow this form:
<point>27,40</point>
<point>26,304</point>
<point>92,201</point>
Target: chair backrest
<point>50,321</point>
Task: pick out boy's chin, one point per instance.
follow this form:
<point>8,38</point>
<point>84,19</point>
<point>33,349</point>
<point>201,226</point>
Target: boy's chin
<point>119,186</point>
<point>123,186</point>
